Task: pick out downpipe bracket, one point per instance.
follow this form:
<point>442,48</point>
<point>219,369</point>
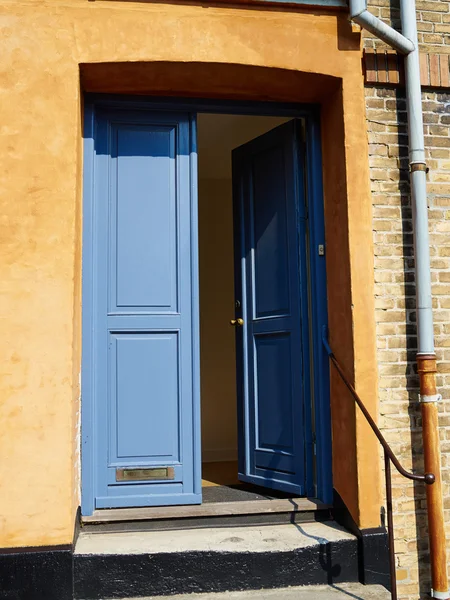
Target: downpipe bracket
<point>417,166</point>
<point>440,595</point>
<point>424,399</point>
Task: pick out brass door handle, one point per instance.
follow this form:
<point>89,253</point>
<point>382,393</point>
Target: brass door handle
<point>237,322</point>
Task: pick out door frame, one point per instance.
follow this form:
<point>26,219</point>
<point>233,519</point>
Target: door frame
<point>318,452</point>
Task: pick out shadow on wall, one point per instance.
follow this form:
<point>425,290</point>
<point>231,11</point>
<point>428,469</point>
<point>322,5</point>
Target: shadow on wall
<point>207,80</point>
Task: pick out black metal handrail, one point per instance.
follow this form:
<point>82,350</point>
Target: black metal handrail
<point>389,457</point>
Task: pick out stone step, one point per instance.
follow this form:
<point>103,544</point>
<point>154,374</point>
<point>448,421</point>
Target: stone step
<point>160,563</point>
<point>209,514</point>
<point>343,591</point>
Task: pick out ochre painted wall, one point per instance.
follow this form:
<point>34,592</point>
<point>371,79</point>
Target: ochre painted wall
<point>257,53</point>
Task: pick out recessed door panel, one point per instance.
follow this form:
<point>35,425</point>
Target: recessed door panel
<point>145,415</point>
<point>143,227</point>
<point>269,234</point>
<point>273,387</point>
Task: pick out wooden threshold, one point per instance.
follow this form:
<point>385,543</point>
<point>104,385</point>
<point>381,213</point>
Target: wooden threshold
<point>211,509</point>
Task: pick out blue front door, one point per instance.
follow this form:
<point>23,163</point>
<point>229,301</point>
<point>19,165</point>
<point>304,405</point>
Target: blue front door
<point>140,311</point>
<point>141,372</point>
<point>271,285</point>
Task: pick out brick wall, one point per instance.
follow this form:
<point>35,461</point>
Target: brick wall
<point>433,23</point>
<point>394,281</point>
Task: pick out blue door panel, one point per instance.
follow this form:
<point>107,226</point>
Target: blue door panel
<point>142,347</point>
<point>269,208</point>
<point>144,247</point>
<point>273,365</point>
<point>268,232</point>
<point>144,375</point>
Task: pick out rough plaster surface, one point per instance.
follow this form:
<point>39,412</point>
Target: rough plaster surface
<point>43,45</point>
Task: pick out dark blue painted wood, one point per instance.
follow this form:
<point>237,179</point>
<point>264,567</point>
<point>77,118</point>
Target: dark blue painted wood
<point>197,105</point>
<point>323,484</point>
<point>270,213</point>
<point>140,307</point>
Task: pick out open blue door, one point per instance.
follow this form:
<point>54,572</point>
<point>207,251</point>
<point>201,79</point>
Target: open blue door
<point>269,211</point>
<point>141,431</point>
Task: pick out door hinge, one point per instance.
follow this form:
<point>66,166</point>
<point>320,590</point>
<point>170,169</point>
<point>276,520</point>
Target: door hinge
<point>321,250</point>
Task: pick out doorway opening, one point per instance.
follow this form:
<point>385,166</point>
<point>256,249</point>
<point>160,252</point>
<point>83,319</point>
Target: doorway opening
<point>218,136</point>
<point>248,232</point>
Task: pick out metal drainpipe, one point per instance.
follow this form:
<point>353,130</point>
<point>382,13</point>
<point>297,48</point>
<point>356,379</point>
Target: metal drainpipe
<point>408,45</point>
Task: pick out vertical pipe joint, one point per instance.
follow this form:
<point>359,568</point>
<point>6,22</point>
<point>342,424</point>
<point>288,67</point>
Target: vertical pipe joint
<point>427,369</point>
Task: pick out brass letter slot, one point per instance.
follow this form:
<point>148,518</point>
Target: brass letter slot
<point>145,474</point>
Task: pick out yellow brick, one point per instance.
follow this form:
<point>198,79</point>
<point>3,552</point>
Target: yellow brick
<point>402,574</point>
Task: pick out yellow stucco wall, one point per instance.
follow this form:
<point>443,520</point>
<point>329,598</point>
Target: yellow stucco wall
<point>42,44</point>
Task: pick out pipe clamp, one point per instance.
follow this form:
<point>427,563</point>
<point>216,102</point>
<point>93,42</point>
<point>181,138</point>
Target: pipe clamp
<point>425,399</point>
<point>418,166</point>
<point>440,595</point>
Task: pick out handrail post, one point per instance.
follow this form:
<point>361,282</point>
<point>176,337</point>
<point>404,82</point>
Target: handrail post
<point>427,374</point>
<point>392,566</point>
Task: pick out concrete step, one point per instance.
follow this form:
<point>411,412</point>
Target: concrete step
<point>160,563</point>
<point>343,591</point>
